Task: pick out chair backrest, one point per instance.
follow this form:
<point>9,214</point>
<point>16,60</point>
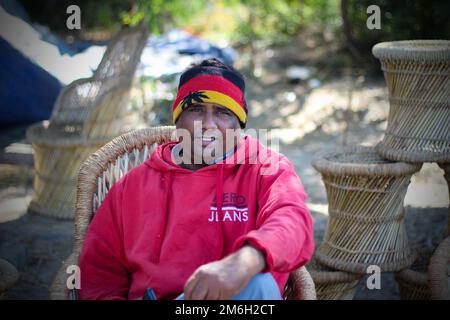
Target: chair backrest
<point>94,102</point>
<point>106,166</point>
<point>123,54</point>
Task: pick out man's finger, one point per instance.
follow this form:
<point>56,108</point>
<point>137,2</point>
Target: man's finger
<point>189,287</point>
<point>200,291</point>
<point>213,294</point>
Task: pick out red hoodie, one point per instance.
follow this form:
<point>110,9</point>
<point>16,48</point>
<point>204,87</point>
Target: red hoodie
<point>160,222</point>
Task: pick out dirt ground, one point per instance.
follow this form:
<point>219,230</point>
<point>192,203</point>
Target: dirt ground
<point>344,109</point>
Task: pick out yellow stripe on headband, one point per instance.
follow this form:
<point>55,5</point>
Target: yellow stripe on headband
<point>216,98</point>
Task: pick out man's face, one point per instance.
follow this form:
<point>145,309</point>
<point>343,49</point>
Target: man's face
<point>207,124</point>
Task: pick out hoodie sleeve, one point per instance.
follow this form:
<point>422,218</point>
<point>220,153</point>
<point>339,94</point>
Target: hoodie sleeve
<point>284,227</point>
<point>103,274</point>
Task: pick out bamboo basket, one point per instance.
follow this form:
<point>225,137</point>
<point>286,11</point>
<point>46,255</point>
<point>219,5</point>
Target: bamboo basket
<point>439,271</point>
<point>413,285</point>
<point>8,277</point>
<point>87,114</point>
<point>413,281</point>
<point>417,74</point>
<point>366,216</point>
<point>333,284</point>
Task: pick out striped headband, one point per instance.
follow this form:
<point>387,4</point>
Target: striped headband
<point>211,85</point>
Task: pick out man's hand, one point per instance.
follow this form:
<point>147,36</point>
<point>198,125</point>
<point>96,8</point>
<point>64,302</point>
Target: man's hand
<point>220,280</point>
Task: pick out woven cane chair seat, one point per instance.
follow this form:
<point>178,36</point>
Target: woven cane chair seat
<point>417,74</point>
<point>366,216</point>
<point>104,168</point>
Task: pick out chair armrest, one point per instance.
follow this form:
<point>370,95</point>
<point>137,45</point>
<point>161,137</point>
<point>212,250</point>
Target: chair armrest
<point>58,289</point>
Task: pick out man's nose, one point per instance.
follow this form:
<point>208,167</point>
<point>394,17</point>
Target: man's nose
<point>209,121</point>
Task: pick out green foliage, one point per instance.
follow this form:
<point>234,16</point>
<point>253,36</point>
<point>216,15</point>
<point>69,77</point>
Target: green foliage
<point>400,20</point>
<point>276,21</point>
<point>162,15</point>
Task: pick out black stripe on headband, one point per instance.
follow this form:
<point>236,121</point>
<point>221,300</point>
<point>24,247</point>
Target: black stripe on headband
<point>230,75</point>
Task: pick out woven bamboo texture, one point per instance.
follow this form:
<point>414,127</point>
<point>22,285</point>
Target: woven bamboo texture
<point>417,74</point>
<point>8,276</point>
<point>104,168</point>
<point>87,114</point>
<point>366,217</point>
<point>333,284</point>
<point>413,281</point>
<point>439,271</point>
<point>413,285</point>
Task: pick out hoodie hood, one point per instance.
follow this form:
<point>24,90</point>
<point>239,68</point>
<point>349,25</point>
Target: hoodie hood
<point>247,151</point>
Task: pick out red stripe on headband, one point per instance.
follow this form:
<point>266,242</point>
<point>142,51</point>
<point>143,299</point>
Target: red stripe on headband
<point>210,82</point>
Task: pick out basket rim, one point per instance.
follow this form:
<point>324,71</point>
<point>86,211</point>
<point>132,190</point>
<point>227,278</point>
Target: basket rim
<point>327,276</point>
<point>359,267</point>
<point>412,276</point>
<point>411,156</point>
<point>413,50</point>
<point>38,133</point>
<point>323,164</point>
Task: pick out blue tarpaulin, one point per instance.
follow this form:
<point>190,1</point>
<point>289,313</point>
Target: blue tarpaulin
<point>27,92</point>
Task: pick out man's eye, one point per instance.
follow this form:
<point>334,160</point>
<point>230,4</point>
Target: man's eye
<point>221,111</point>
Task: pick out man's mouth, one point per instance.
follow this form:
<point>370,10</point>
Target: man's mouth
<point>204,140</point>
<point>207,140</point>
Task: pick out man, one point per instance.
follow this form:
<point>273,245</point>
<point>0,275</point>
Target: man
<point>207,217</point>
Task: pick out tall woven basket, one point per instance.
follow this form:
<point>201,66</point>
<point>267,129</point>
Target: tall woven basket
<point>333,284</point>
<point>417,74</point>
<point>365,195</point>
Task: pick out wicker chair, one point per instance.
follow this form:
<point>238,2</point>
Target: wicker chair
<point>87,114</point>
<point>102,170</point>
